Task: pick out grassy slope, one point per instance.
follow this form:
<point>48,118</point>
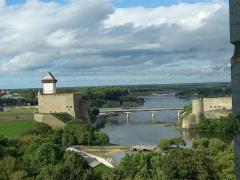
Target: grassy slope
<point>14,129</point>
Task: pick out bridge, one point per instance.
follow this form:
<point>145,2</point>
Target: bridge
<point>153,111</point>
<point>118,110</point>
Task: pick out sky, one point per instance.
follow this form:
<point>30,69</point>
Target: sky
<point>114,42</point>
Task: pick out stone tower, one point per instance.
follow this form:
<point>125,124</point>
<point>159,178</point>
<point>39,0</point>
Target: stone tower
<point>49,84</point>
<point>197,108</point>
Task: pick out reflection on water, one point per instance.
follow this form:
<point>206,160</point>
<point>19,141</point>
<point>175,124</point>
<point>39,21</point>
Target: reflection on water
<point>140,130</point>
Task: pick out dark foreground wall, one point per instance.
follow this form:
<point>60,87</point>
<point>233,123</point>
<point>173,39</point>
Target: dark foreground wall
<point>237,155</point>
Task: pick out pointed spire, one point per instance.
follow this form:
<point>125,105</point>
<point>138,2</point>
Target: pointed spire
<point>49,78</point>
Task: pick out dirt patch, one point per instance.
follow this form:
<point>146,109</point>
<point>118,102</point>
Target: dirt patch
<point>15,117</point>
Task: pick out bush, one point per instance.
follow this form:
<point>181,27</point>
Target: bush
<point>228,124</point>
<point>101,138</point>
<point>64,117</point>
<point>164,144</point>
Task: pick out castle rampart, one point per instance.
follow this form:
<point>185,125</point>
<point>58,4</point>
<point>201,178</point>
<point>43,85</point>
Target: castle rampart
<point>209,107</point>
<point>201,106</point>
<point>71,103</point>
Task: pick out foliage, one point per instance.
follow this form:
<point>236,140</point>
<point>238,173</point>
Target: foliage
<point>204,161</point>
<point>101,138</point>
<point>64,117</point>
<point>228,124</point>
<point>39,154</point>
<point>165,144</point>
<point>188,109</point>
<point>82,134</point>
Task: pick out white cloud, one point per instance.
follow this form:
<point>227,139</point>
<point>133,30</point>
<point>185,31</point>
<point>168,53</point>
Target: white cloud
<point>92,38</point>
<point>189,16</point>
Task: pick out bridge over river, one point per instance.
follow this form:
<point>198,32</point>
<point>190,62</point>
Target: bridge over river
<point>127,111</point>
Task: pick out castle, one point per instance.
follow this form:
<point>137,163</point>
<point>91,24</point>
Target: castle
<point>210,108</point>
<point>49,102</point>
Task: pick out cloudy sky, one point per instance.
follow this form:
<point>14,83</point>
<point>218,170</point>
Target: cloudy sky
<point>112,42</point>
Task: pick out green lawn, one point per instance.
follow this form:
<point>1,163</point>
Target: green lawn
<point>18,111</point>
<point>14,129</point>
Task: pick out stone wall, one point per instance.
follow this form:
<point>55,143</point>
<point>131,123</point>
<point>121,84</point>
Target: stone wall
<point>209,107</point>
<point>210,104</point>
<point>49,119</point>
<point>188,121</point>
<point>201,106</point>
<point>56,103</point>
<point>71,103</point>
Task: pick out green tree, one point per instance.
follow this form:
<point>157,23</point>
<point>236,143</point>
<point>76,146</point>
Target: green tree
<point>164,144</point>
<point>101,138</point>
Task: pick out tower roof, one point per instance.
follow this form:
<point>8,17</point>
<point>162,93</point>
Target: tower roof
<point>49,78</point>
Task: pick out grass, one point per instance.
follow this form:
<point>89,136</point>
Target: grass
<point>18,111</point>
<point>14,129</point>
<point>102,169</point>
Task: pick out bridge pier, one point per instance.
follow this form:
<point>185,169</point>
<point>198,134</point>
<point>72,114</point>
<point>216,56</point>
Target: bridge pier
<point>178,115</point>
<point>127,114</point>
<point>153,113</point>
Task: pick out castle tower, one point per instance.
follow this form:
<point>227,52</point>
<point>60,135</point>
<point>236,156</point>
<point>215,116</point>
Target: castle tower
<point>49,84</point>
<point>197,108</point>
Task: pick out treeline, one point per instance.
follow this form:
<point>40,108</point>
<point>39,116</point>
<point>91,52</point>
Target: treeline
<point>13,102</point>
<point>40,153</point>
<point>205,92</point>
<point>187,90</point>
<point>102,96</point>
<point>27,96</point>
<point>209,159</point>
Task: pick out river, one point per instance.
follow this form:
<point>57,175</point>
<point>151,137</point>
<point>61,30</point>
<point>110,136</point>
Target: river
<point>140,129</point>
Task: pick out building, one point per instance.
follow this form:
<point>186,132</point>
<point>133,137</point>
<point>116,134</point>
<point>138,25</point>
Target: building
<point>212,107</point>
<point>209,107</point>
<point>2,92</point>
<point>50,101</point>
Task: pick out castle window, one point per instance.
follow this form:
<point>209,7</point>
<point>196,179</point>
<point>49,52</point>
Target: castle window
<point>66,106</point>
<point>210,106</point>
<point>215,106</point>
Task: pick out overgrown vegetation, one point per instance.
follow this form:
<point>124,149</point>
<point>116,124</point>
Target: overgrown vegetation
<point>64,117</point>
<point>173,142</point>
<point>40,153</point>
<point>209,159</point>
<point>228,124</point>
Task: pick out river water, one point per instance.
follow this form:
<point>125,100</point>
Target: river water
<point>141,129</point>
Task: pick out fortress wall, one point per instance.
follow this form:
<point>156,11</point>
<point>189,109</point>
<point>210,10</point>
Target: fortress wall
<point>49,119</point>
<point>211,104</point>
<point>56,103</point>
